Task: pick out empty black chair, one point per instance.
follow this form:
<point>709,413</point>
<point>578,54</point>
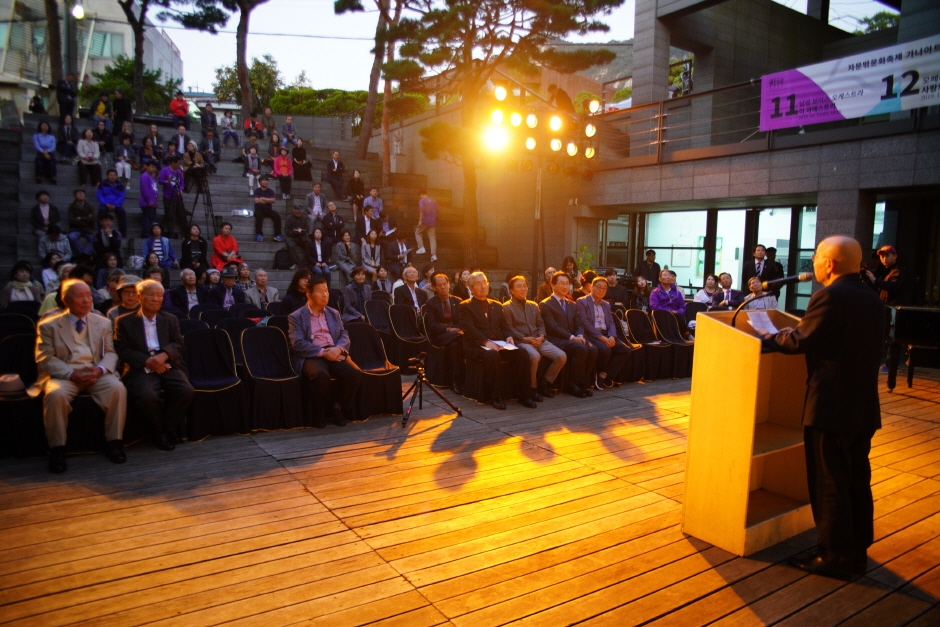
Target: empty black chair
<point>238,308</point>
<point>381,295</point>
<point>276,392</point>
<point>438,368</point>
<point>187,326</point>
<point>406,334</point>
<point>377,315</point>
<point>16,324</point>
<point>336,300</point>
<point>28,308</point>
<point>634,369</point>
<point>24,434</point>
<point>693,309</point>
<point>380,391</point>
<point>197,310</point>
<point>280,322</point>
<point>254,313</point>
<point>667,328</point>
<point>278,309</point>
<point>659,355</point>
<point>234,328</point>
<point>213,316</point>
<point>220,404</point>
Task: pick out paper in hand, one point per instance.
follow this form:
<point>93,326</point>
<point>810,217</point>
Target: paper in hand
<point>761,323</point>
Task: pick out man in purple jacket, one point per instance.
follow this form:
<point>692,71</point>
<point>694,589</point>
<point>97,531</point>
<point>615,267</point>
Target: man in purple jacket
<point>428,223</point>
<point>111,196</point>
<point>148,196</point>
<point>667,296</point>
<point>171,177</point>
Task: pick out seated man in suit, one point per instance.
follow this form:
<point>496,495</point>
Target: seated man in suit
<point>187,295</point>
<point>397,255</point>
<point>598,323</point>
<point>409,293</point>
<point>261,294</point>
<point>482,321</point>
<point>150,344</point>
<point>319,348</point>
<point>365,223</point>
<point>528,330</point>
<point>726,298</point>
<point>75,353</point>
<point>225,294</point>
<point>442,321</point>
<point>565,331</point>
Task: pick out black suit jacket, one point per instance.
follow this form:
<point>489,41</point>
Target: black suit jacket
<point>737,297</point>
<point>333,225</point>
<point>842,335</point>
<point>217,295</point>
<point>479,328</point>
<point>181,302</point>
<point>333,170</point>
<point>391,253</point>
<point>361,230</point>
<point>310,249</point>
<point>130,342</point>
<point>35,218</point>
<point>768,272</point>
<point>402,296</point>
<point>560,325</point>
<point>434,317</point>
<point>67,136</point>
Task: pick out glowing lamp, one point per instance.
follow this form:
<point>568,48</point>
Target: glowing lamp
<point>495,138</point>
<point>78,11</point>
<point>594,105</point>
<point>497,116</point>
<point>500,93</point>
<point>589,152</point>
<point>515,119</point>
<point>530,143</point>
<point>572,149</point>
<point>590,130</point>
<point>531,120</point>
<point>554,123</point>
<point>555,144</point>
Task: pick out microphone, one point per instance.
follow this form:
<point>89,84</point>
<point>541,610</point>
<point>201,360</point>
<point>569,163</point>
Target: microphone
<point>799,278</point>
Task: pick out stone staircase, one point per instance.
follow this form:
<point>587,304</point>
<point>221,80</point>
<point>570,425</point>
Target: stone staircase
<point>229,192</point>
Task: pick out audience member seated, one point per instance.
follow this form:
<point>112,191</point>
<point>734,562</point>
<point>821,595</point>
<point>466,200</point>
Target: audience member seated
<point>296,295</point>
<point>355,193</point>
<point>427,272</point>
<point>180,141</point>
<point>303,169</point>
<point>108,264</point>
<point>194,166</point>
<point>288,132</point>
<point>316,206</point>
<point>355,296</point>
<point>155,138</point>
<point>504,294</point>
<point>371,252</point>
<point>75,353</point>
<point>283,170</point>
<point>180,110</point>
<point>595,316</point>
<point>252,126</point>
<point>21,286</point>
<point>244,282</point>
<point>570,267</point>
<point>172,153</point>
<point>382,282</point>
<point>373,200</point>
<point>44,143</point>
<point>111,196</point>
<point>54,241</point>
<point>296,235</point>
<point>211,278</point>
<point>273,150</point>
<point>333,225</point>
<point>224,248</point>
<point>528,330</point>
<point>264,208</point>
<point>397,255</point>
<point>460,287</point>
<point>409,293</point>
<point>226,295</point>
<point>148,153</point>
<point>320,351</point>
<point>105,141</point>
<point>640,299</point>
<point>388,226</point>
<point>318,255</point>
<point>125,158</point>
<point>150,345</point>
<point>155,272</point>
<point>227,126</point>
<point>195,250</point>
<point>89,164</point>
<point>586,280</point>
<point>442,322</point>
<point>344,257</point>
<point>101,110</point>
<point>208,121</point>
<point>109,292</point>
<point>707,293</point>
<point>563,328</point>
<point>43,214</point>
<point>211,150</point>
<point>161,247</point>
<point>666,296</point>
<point>368,221</point>
<point>482,322</point>
<point>268,123</point>
<point>260,294</point>
<point>616,294</point>
<point>127,301</point>
<point>67,144</point>
<point>761,299</point>
<point>107,239</point>
<point>187,294</point>
<point>726,298</point>
<point>334,174</point>
<point>50,272</point>
<point>252,164</point>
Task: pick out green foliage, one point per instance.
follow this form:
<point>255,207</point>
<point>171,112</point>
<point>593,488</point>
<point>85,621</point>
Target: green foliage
<point>120,75</point>
<point>265,80</point>
<point>881,20</point>
<point>442,140</point>
<point>675,73</point>
<point>622,94</point>
<point>317,102</point>
<point>584,258</point>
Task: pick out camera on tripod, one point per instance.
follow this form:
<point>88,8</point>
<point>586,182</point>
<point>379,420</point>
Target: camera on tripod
<point>418,361</point>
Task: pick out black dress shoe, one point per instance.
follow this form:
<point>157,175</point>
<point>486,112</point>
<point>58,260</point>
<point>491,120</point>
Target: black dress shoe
<point>578,391</point>
<point>608,382</point>
<point>588,392</point>
<point>458,390</point>
<point>165,443</point>
<point>339,421</point>
<point>498,403</point>
<point>816,565</point>
<point>115,452</point>
<point>528,402</point>
<point>57,460</point>
<point>536,397</point>
<point>546,391</point>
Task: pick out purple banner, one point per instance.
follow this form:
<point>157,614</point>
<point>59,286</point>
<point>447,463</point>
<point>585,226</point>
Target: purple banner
<point>790,99</point>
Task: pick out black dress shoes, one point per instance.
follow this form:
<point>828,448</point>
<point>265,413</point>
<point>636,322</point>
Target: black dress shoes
<point>580,392</point>
<point>57,460</point>
<point>115,452</point>
<point>165,442</point>
<point>528,402</point>
<point>498,403</point>
<point>535,396</point>
<point>817,565</point>
<point>546,391</point>
<point>458,390</point>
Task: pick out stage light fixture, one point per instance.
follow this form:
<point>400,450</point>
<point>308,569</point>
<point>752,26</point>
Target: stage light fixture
<point>531,120</point>
<point>571,171</point>
<point>497,116</point>
<point>496,138</point>
<point>552,168</point>
<point>78,11</point>
<point>554,123</point>
<point>530,143</point>
<point>594,105</point>
<point>587,174</point>
<point>500,93</point>
<point>555,144</point>
<point>515,119</point>
<point>572,149</point>
<point>589,152</point>
<point>590,130</point>
<point>526,165</point>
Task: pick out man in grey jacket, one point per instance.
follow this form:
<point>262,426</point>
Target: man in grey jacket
<point>528,330</point>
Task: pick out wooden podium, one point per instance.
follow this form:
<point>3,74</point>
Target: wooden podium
<point>745,479</point>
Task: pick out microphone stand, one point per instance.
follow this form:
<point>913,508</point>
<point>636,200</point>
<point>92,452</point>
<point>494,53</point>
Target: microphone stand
<point>745,303</point>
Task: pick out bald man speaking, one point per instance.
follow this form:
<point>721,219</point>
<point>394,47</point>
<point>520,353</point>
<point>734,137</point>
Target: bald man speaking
<point>841,335</point>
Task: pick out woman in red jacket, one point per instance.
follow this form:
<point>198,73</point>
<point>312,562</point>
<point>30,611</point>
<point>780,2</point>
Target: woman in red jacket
<point>284,170</point>
<point>180,110</point>
<point>224,248</point>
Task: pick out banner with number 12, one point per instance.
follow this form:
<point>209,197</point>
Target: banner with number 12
<point>906,76</point>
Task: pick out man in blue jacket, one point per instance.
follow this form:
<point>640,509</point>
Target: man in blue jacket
<point>111,195</point>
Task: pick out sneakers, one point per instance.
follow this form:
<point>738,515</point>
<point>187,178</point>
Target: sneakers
<point>278,238</point>
<point>259,238</point>
<point>251,193</point>
<point>883,369</point>
<point>420,251</point>
<point>433,257</point>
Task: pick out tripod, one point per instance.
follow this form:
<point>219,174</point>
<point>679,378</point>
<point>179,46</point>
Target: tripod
<point>416,389</point>
<point>202,191</point>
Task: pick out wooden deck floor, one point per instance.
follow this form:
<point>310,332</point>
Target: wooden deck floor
<point>564,515</point>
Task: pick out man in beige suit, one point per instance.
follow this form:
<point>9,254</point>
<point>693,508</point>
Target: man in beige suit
<point>528,330</point>
<point>75,353</point>
<point>261,294</point>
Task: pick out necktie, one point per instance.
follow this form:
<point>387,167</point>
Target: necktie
<point>564,307</point>
<point>79,325</point>
<point>760,267</point>
<point>728,295</point>
<point>447,310</point>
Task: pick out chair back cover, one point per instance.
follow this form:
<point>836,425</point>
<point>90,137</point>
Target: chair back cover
<point>667,327</point>
<point>692,309</point>
<point>337,300</point>
<point>240,307</point>
<point>197,310</point>
<point>234,328</point>
<point>280,322</point>
<point>381,295</point>
<point>278,309</point>
<point>254,313</point>
<point>29,308</point>
<point>366,348</point>
<point>405,323</point>
<point>188,326</point>
<point>16,324</point>
<point>267,355</point>
<point>213,316</point>
<point>211,359</point>
<point>377,315</point>
<point>17,355</point>
<point>640,327</point>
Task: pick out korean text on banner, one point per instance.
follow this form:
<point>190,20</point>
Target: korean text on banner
<point>906,76</point>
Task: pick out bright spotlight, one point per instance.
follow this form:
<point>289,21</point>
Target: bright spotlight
<point>500,93</point>
<point>594,105</point>
<point>590,130</point>
<point>556,144</point>
<point>589,152</point>
<point>572,149</point>
<point>531,120</point>
<point>78,12</point>
<point>554,123</point>
<point>530,143</point>
<point>515,119</point>
<point>497,116</point>
<point>495,138</point>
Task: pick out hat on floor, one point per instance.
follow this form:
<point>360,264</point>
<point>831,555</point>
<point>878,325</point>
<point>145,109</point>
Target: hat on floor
<point>11,387</point>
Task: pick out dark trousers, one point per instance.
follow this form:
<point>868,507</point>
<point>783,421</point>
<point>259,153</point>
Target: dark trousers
<point>336,182</point>
<point>284,182</point>
<point>148,217</point>
<point>318,400</point>
<point>265,211</point>
<point>89,171</point>
<point>839,476</point>
<point>181,119</point>
<point>45,167</point>
<point>121,215</point>
<point>297,251</point>
<point>612,360</point>
<point>163,415</point>
<point>581,360</point>
<point>502,366</point>
<point>453,356</point>
<point>174,217</point>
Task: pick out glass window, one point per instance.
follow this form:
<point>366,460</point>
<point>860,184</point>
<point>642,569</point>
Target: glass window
<point>618,237</point>
<point>805,263</point>
<point>678,239</point>
<point>18,36</point>
<point>773,231</point>
<point>729,244</point>
<point>3,34</point>
<point>104,45</point>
